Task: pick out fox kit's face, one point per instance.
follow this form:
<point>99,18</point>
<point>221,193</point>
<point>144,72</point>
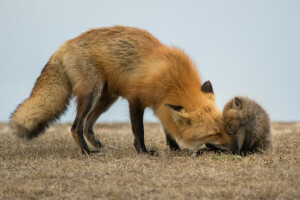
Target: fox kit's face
<point>241,141</point>
<point>232,115</point>
<point>232,121</point>
<point>202,125</point>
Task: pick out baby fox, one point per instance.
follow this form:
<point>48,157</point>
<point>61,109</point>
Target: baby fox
<point>248,124</point>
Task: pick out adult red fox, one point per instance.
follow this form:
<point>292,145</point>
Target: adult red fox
<point>102,64</point>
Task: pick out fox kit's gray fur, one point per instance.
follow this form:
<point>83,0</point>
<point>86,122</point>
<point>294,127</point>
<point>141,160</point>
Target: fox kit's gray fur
<point>248,124</point>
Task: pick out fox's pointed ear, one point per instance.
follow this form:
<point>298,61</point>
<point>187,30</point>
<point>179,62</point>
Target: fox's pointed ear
<point>237,103</point>
<point>207,87</point>
<point>177,113</point>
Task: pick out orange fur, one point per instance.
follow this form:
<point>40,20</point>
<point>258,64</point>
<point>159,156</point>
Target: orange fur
<point>130,63</point>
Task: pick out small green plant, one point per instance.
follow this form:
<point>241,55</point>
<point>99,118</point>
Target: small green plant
<point>228,157</point>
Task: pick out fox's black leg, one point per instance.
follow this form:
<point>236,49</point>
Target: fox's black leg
<point>171,142</point>
<point>136,117</point>
<point>102,105</point>
<point>84,105</point>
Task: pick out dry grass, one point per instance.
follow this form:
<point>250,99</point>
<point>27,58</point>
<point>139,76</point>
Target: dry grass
<point>51,167</point>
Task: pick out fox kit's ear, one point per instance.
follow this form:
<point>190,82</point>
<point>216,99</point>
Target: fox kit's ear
<point>207,87</point>
<point>177,113</point>
<point>237,103</point>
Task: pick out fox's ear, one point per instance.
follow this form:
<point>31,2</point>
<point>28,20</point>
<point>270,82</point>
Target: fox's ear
<point>177,113</point>
<point>237,103</point>
<point>207,87</point>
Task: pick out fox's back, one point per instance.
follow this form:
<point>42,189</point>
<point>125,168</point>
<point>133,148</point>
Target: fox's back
<point>113,54</point>
<point>123,47</point>
<point>132,62</point>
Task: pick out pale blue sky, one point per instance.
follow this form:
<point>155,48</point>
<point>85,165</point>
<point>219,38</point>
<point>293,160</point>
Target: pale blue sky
<point>249,48</point>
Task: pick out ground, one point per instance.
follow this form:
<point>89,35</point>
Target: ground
<point>51,167</point>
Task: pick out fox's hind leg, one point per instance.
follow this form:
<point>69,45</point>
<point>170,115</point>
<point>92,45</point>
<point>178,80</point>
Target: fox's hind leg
<point>85,104</point>
<point>102,105</point>
<point>171,142</point>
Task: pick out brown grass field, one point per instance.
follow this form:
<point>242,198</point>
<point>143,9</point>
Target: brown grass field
<point>51,167</point>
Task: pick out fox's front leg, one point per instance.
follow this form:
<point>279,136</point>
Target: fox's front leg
<point>136,116</point>
<point>171,142</point>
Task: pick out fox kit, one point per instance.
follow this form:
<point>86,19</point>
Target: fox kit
<point>102,64</point>
<point>248,124</point>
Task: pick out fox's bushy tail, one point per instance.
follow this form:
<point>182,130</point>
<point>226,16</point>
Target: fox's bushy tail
<point>48,100</point>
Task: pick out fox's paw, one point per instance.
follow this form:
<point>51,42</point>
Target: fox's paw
<point>152,153</point>
<point>197,153</point>
<point>175,148</point>
<point>94,151</point>
<point>94,142</point>
<point>173,145</point>
<point>97,144</point>
<point>84,152</point>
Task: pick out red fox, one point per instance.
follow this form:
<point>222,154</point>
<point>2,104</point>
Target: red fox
<point>102,64</point>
